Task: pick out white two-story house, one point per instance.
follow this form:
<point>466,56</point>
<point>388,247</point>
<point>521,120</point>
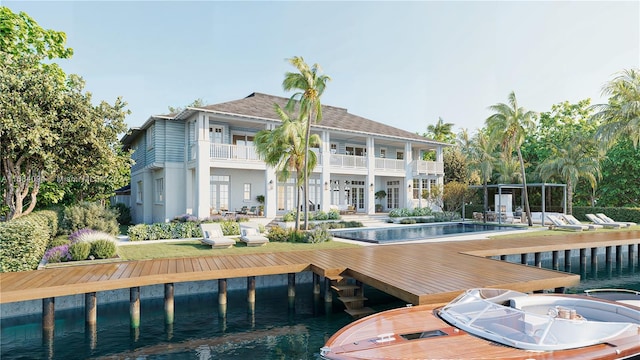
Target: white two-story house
<point>202,161</point>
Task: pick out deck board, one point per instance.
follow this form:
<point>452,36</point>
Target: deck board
<point>418,273</point>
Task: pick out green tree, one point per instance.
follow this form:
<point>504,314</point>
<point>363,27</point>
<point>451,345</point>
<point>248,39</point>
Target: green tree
<point>577,159</point>
<point>620,184</point>
<point>510,123</point>
<point>284,148</point>
<point>482,158</point>
<point>195,103</point>
<point>49,128</point>
<point>620,117</point>
<point>455,165</point>
<point>441,131</point>
<point>310,86</point>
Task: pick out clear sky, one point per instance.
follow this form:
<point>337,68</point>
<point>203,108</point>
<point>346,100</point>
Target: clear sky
<point>400,63</point>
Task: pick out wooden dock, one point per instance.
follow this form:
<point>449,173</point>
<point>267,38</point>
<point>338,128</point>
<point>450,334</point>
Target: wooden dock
<point>418,273</point>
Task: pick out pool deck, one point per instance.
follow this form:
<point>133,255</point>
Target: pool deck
<point>418,272</point>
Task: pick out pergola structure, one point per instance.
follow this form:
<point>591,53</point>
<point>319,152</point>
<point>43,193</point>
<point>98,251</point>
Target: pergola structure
<point>520,186</point>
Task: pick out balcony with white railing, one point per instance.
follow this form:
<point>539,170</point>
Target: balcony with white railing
<point>233,152</point>
<point>348,161</point>
<point>389,164</point>
<point>427,167</point>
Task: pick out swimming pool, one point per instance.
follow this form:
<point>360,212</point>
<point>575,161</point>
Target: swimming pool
<point>420,232</point>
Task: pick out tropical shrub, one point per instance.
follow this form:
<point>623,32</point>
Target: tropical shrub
<point>185,218</point>
<point>124,213</point>
<point>401,212</point>
<point>230,228</point>
<point>58,240</point>
<point>343,224</point>
<point>79,251</point>
<point>297,236</point>
<point>159,231</point>
<point>321,215</point>
<point>57,254</point>
<point>319,234</point>
<point>421,211</point>
<point>138,232</point>
<point>333,215</point>
<point>408,221</point>
<point>24,241</point>
<point>277,234</point>
<point>289,216</point>
<point>90,215</point>
<point>103,249</point>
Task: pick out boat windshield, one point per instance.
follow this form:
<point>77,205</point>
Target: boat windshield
<point>488,313</point>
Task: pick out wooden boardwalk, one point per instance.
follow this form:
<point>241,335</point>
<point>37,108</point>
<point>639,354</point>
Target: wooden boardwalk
<point>418,273</point>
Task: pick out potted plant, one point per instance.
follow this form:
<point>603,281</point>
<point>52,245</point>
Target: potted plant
<point>380,194</point>
<point>260,199</point>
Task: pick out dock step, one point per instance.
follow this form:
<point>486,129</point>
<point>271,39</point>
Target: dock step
<point>358,313</point>
<point>342,287</point>
<point>350,299</point>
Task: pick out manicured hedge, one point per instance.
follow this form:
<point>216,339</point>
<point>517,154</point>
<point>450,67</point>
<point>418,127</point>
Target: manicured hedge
<point>176,230</point>
<point>24,240</point>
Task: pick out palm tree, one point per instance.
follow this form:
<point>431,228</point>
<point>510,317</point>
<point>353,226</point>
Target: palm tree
<point>481,156</point>
<point>509,124</point>
<point>441,131</point>
<point>577,159</point>
<point>621,116</point>
<point>283,148</point>
<point>311,86</point>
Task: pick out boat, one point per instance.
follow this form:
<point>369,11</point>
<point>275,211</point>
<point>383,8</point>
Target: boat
<point>630,297</point>
<point>495,324</point>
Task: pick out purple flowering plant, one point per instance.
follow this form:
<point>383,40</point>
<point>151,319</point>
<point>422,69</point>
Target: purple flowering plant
<point>58,254</point>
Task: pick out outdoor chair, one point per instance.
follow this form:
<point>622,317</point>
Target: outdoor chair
<point>570,219</point>
<point>605,224</point>
<point>252,237</point>
<point>611,221</point>
<point>212,235</point>
<point>557,223</point>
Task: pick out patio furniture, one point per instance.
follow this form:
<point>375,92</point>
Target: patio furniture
<point>212,235</point>
<point>605,224</point>
<point>573,221</point>
<point>611,221</point>
<point>558,223</point>
<point>252,237</point>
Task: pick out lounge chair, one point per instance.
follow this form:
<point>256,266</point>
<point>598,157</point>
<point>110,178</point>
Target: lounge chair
<point>611,221</point>
<point>212,235</point>
<point>570,219</point>
<point>558,223</point>
<point>605,224</point>
<point>252,236</point>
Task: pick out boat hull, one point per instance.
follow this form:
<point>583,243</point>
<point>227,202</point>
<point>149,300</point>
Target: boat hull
<point>362,340</point>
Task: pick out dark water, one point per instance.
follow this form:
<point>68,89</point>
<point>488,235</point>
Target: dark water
<point>272,331</point>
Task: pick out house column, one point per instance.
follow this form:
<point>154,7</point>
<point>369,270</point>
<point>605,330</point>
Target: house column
<point>440,160</point>
<point>271,191</point>
<point>203,172</point>
<point>325,177</point>
<point>408,184</point>
<point>371,176</point>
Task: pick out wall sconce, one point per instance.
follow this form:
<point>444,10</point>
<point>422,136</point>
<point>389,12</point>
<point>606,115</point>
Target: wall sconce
<point>270,184</point>
<point>326,185</point>
<point>371,185</point>
<point>409,186</point>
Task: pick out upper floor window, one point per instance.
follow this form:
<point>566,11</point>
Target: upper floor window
<point>400,155</point>
<point>333,148</point>
<point>244,140</point>
<point>151,136</point>
<point>383,153</point>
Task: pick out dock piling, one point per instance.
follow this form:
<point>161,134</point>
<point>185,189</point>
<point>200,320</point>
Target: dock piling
<point>134,307</point>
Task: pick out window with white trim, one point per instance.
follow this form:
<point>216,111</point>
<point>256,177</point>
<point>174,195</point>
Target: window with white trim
<point>151,136</point>
<point>247,192</point>
<point>160,190</point>
<point>139,192</point>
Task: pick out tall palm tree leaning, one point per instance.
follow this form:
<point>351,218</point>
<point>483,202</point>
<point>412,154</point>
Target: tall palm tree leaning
<point>310,85</point>
<point>283,148</point>
<point>621,116</point>
<point>509,124</point>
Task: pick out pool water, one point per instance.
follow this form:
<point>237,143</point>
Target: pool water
<point>420,232</point>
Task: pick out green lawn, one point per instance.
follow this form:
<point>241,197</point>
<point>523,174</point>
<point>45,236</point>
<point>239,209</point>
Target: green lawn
<point>190,248</point>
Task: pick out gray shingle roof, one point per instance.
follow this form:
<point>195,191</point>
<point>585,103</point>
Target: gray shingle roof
<point>261,105</point>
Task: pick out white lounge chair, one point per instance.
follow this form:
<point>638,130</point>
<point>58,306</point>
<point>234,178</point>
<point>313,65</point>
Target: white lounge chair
<point>252,237</point>
<point>573,221</point>
<point>213,235</point>
<point>611,221</point>
<point>557,223</point>
<point>606,225</point>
